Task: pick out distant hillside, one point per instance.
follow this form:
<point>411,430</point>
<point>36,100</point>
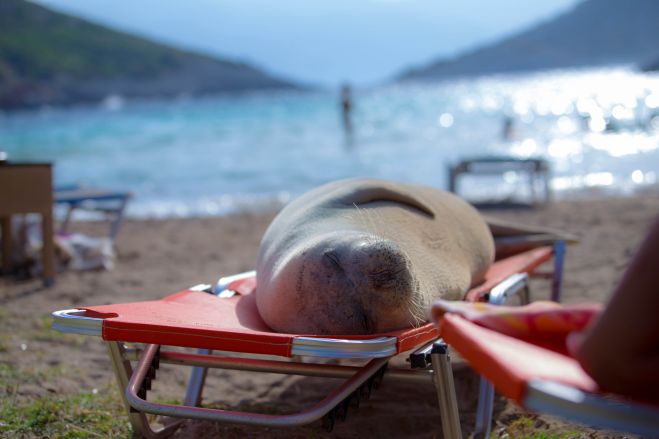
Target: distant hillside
<point>595,32</point>
<point>652,66</point>
<point>51,58</point>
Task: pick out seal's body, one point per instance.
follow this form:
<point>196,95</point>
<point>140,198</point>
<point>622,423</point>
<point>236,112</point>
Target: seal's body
<point>362,256</point>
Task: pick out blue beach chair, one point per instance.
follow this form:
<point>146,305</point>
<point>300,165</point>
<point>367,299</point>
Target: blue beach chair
<point>110,203</point>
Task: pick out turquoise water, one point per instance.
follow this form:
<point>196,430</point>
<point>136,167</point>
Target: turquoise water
<point>214,156</point>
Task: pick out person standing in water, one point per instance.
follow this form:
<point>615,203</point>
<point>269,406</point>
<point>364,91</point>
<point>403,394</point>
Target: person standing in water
<point>508,132</point>
<point>346,111</point>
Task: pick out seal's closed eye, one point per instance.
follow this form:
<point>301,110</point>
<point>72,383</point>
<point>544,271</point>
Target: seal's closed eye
<point>334,259</point>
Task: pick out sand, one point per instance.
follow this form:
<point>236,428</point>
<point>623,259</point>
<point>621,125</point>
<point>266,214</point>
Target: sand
<point>156,258</point>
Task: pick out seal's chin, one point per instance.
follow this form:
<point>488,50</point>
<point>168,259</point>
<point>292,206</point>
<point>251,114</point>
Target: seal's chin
<point>357,320</point>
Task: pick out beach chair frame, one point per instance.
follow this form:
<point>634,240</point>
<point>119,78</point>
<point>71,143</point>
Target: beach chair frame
<point>430,360</point>
<point>112,204</point>
<point>567,402</point>
<point>134,382</point>
<point>538,379</point>
<point>536,170</point>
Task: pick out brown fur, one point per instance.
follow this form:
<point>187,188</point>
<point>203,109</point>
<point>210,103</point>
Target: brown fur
<point>365,256</point>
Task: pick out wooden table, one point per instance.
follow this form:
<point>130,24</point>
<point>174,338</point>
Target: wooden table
<point>28,188</point>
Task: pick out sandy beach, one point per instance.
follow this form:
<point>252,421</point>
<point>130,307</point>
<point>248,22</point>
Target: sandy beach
<point>156,258</point>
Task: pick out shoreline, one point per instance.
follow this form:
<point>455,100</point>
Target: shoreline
<point>267,205</point>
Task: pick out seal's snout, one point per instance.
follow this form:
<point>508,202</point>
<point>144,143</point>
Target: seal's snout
<point>381,267</point>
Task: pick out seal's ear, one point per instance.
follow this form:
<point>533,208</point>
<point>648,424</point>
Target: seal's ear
<point>376,192</point>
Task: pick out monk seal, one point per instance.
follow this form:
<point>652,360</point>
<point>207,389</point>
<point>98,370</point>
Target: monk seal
<point>362,256</point>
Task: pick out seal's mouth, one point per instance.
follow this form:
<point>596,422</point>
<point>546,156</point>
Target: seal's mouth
<point>368,325</point>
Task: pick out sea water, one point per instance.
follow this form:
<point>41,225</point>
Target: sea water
<point>217,155</point>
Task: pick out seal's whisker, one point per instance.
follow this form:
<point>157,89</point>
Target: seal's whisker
<point>376,221</point>
<point>416,311</point>
<point>414,319</point>
<point>366,216</point>
<point>361,215</point>
<point>417,304</point>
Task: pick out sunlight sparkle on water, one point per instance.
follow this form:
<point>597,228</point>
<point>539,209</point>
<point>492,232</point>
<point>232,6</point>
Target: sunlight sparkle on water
<point>587,106</point>
<point>562,148</point>
<point>510,177</point>
<point>521,107</point>
<point>621,112</point>
<point>446,120</point>
<point>652,100</point>
<point>597,123</point>
<point>223,154</point>
<point>599,179</point>
<point>639,177</point>
<point>566,125</point>
<point>526,148</point>
<point>622,144</point>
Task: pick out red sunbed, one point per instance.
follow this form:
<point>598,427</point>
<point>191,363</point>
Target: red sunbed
<point>225,318</point>
<point>522,350</point>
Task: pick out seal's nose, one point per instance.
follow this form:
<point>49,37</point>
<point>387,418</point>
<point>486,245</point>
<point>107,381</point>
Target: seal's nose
<point>381,267</point>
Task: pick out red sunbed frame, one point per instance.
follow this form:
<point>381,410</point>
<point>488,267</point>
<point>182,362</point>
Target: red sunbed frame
<point>545,380</point>
<point>225,318</point>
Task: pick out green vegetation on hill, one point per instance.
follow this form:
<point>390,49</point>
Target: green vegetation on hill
<point>38,44</point>
<point>52,58</point>
<point>652,66</point>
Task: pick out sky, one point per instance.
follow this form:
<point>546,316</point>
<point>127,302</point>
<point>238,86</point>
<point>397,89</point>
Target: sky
<point>322,42</point>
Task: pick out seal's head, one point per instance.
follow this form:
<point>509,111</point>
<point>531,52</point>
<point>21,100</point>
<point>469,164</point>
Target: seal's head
<point>342,283</point>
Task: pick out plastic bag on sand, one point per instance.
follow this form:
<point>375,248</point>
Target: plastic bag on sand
<point>81,252</point>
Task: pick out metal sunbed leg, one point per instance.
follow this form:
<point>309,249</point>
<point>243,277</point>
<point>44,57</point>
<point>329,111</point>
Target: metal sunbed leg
<point>139,379</point>
<point>532,182</point>
<point>64,227</point>
<point>515,284</point>
<point>547,187</point>
<point>448,405</point>
<point>557,278</point>
<point>484,410</point>
<point>196,382</point>
<point>123,371</point>
<point>6,238</point>
<point>119,216</point>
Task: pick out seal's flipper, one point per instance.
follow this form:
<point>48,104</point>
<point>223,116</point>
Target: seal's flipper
<point>511,245</point>
<point>511,238</point>
<point>371,193</point>
<point>500,228</point>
